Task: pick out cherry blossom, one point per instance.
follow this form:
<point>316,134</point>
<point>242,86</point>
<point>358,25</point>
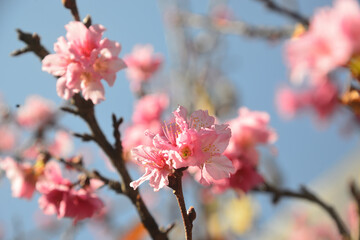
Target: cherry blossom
<point>36,111</point>
<point>146,116</point>
<point>23,176</point>
<point>61,198</point>
<point>82,61</point>
<point>187,141</point>
<point>142,63</point>
<point>322,49</point>
<point>322,98</point>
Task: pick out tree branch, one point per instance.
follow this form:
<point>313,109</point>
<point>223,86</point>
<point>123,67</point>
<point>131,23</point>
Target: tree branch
<point>32,45</point>
<point>234,27</point>
<point>112,184</point>
<point>272,5</point>
<point>355,192</point>
<point>86,111</point>
<point>71,5</point>
<point>305,194</point>
<point>189,216</point>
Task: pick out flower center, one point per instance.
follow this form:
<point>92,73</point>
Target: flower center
<point>86,77</point>
<point>100,65</point>
<point>185,152</point>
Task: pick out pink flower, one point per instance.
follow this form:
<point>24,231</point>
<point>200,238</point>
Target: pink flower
<point>332,39</point>
<point>322,98</point>
<point>245,178</point>
<point>142,64</point>
<point>222,14</point>
<point>8,138</point>
<point>146,116</point>
<point>149,108</point>
<point>23,177</point>
<point>62,145</point>
<point>193,141</point>
<point>197,141</point>
<point>83,60</point>
<point>289,102</point>
<point>36,112</point>
<point>60,198</point>
<point>304,229</point>
<point>249,129</point>
<point>134,135</point>
<point>156,167</point>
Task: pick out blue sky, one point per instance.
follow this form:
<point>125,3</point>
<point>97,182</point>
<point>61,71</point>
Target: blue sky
<point>255,67</point>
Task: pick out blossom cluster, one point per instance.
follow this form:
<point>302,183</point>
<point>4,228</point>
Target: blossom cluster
<point>146,116</point>
<point>193,142</point>
<point>82,60</point>
<point>322,49</point>
<point>141,64</point>
<point>249,130</point>
<point>59,195</point>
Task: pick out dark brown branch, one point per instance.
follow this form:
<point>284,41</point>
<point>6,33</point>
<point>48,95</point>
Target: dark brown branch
<point>85,137</point>
<point>85,110</point>
<point>69,110</point>
<point>71,5</point>
<point>116,125</point>
<point>112,184</point>
<point>272,5</point>
<point>305,194</point>
<point>32,45</point>
<point>234,27</point>
<point>355,192</point>
<point>189,216</point>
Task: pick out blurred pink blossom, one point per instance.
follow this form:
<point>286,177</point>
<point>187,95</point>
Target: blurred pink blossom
<point>249,130</point>
<point>146,116</point>
<point>36,112</point>
<point>149,108</point>
<point>59,196</point>
<point>221,14</point>
<point>142,63</point>
<point>22,176</point>
<point>245,178</point>
<point>62,145</point>
<point>303,229</point>
<point>332,39</point>
<point>8,138</point>
<point>322,98</point>
<point>83,60</point>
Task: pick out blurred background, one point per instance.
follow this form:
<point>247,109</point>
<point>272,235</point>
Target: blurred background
<point>208,63</point>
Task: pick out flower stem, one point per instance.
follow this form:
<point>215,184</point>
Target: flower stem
<point>189,216</point>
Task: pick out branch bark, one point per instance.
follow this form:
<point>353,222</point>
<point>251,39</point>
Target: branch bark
<point>175,183</point>
<point>85,110</point>
<point>272,5</point>
<point>305,194</point>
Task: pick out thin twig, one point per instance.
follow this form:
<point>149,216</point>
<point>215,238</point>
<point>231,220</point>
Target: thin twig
<point>117,136</point>
<point>32,44</point>
<point>272,5</point>
<point>85,110</point>
<point>189,216</point>
<point>112,184</point>
<point>355,192</point>
<point>84,136</point>
<point>233,27</point>
<point>305,194</point>
<point>71,5</point>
